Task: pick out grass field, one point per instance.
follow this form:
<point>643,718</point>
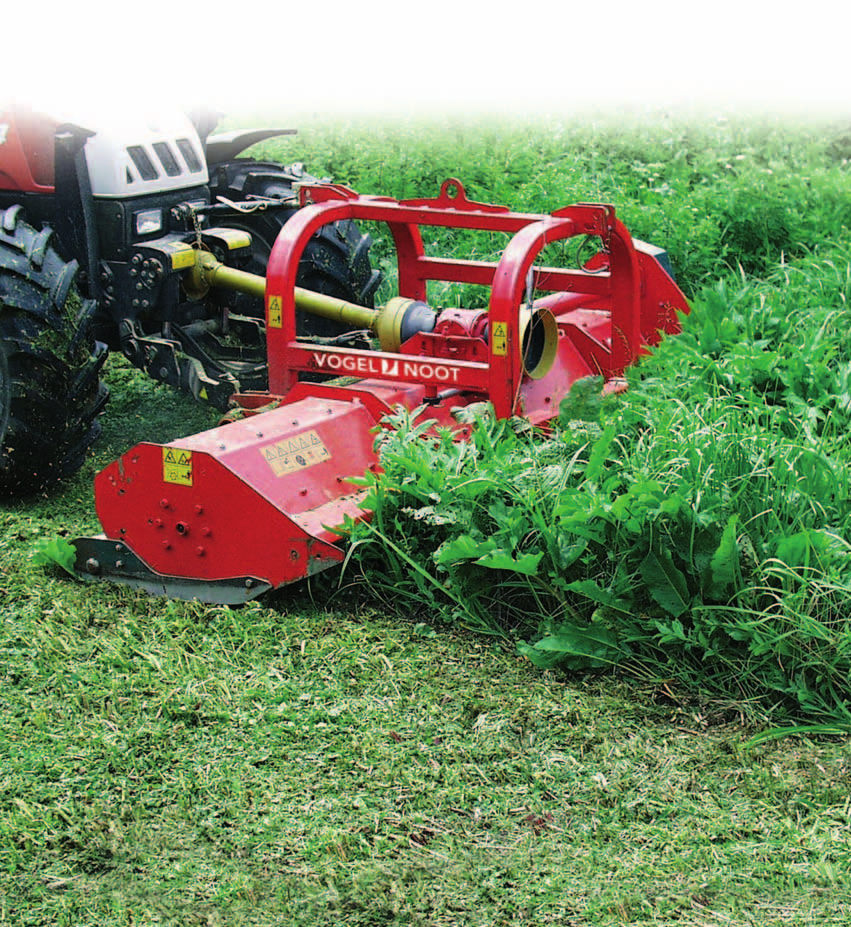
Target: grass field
<point>576,745</point>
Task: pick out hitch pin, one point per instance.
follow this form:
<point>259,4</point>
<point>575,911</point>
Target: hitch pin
<point>530,288</point>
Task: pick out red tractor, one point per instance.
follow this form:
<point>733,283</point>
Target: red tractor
<point>98,223</point>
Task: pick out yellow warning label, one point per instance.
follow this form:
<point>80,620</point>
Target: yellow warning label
<point>499,339</point>
<point>177,466</point>
<point>275,312</point>
<point>298,453</point>
<point>182,255</point>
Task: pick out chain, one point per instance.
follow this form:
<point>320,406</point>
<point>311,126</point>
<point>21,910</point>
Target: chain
<point>196,224</point>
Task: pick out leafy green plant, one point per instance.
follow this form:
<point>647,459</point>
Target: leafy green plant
<point>55,551</point>
<point>697,526</point>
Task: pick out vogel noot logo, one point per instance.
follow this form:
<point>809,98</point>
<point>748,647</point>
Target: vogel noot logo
<point>386,367</point>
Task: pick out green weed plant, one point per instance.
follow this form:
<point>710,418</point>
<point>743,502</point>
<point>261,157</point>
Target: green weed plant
<point>694,528</point>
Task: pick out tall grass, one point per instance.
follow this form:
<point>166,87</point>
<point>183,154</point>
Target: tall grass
<point>697,527</point>
<point>719,192</point>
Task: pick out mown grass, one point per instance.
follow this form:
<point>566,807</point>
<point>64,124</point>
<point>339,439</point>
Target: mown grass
<point>352,755</point>
<point>181,765</point>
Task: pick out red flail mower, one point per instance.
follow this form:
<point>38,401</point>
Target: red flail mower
<point>252,505</point>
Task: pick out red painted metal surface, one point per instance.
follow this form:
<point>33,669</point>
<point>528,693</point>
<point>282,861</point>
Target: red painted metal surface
<point>26,151</point>
<point>260,498</point>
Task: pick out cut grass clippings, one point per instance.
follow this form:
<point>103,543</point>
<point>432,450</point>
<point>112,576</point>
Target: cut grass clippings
<point>179,765</point>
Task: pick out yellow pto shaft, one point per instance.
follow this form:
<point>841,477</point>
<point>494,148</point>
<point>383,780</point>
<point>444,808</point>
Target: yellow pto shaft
<point>384,323</point>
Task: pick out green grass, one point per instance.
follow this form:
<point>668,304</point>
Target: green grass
<point>718,192</point>
<point>695,527</point>
<point>179,765</point>
<point>378,751</point>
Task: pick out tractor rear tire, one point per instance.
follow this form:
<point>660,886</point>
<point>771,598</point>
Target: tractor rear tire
<point>335,261</point>
<point>50,389</point>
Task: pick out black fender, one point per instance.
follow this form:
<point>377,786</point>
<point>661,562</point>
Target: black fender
<point>225,146</point>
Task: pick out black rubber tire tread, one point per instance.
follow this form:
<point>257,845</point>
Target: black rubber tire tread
<point>50,389</point>
<point>335,261</point>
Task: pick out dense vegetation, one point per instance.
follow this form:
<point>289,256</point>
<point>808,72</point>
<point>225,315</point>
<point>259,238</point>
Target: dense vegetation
<point>543,690</point>
<point>697,527</point>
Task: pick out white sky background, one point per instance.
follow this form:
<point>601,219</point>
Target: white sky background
<point>404,58</point>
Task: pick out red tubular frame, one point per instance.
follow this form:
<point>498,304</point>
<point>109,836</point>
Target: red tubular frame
<point>501,378</point>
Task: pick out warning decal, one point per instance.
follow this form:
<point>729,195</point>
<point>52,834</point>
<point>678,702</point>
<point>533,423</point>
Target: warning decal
<point>275,312</point>
<point>177,466</point>
<point>499,339</point>
<point>298,453</point>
